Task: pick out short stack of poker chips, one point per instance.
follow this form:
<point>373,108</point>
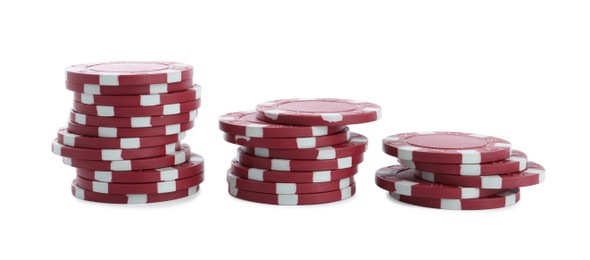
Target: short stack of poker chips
<point>297,151</point>
<point>125,129</point>
<point>460,171</point>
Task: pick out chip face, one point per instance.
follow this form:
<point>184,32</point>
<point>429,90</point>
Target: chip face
<point>447,147</point>
<point>318,112</point>
<point>123,73</point>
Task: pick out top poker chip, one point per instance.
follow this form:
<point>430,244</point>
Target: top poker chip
<point>318,112</point>
<point>446,147</point>
<point>121,73</point>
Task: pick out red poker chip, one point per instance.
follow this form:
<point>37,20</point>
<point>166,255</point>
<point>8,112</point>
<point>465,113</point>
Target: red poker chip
<point>123,132</point>
<point>119,73</point>
<point>112,154</point>
<point>65,137</point>
<point>298,165</point>
<point>446,147</point>
<point>147,89</point>
<point>516,163</point>
<point>132,122</point>
<point>290,143</point>
<point>532,175</point>
<point>176,158</point>
<point>287,188</point>
<point>194,166</point>
<point>113,111</point>
<point>264,175</point>
<point>130,198</point>
<point>293,199</point>
<point>318,112</point>
<point>139,188</point>
<point>403,181</point>
<point>140,100</point>
<point>355,146</point>
<point>505,199</point>
<point>245,123</point>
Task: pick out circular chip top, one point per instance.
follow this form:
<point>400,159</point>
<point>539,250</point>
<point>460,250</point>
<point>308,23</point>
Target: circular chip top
<point>245,123</point>
<point>129,73</point>
<point>516,163</point>
<point>504,199</point>
<point>318,112</point>
<point>532,175</point>
<point>446,147</point>
<point>403,181</point>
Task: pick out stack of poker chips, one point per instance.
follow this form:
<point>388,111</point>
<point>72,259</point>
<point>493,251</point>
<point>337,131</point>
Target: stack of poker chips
<point>125,129</point>
<point>297,151</point>
<point>459,171</point>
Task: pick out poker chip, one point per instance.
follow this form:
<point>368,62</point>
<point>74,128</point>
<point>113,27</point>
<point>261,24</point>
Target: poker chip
<point>139,188</point>
<point>318,112</point>
<point>146,89</point>
<point>293,199</point>
<point>122,132</point>
<point>446,147</point>
<point>131,198</point>
<point>355,146</point>
<point>287,188</point>
<point>245,123</point>
<point>505,199</point>
<point>112,154</point>
<point>175,158</point>
<point>532,175</point>
<point>194,166</point>
<point>290,143</point>
<point>298,165</point>
<point>403,181</point>
<point>120,73</point>
<point>65,137</point>
<point>114,111</point>
<point>140,100</point>
<point>516,163</point>
<point>263,175</point>
<point>132,122</point>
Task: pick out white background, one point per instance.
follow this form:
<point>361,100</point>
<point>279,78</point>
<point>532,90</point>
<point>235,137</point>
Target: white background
<point>512,69</point>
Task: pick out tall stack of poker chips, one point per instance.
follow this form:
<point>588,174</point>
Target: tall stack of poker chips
<point>297,152</point>
<point>460,171</point>
<point>125,128</point>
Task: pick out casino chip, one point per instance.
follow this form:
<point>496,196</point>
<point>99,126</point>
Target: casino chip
<point>452,170</point>
<point>318,112</point>
<point>297,152</point>
<point>125,129</point>
<point>446,147</point>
